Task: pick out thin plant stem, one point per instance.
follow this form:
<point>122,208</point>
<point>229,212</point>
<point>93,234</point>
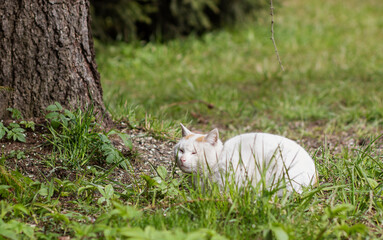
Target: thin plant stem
<point>272,35</point>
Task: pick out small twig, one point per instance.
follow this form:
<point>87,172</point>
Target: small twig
<point>272,34</point>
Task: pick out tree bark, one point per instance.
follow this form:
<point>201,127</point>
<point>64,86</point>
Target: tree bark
<point>47,55</point>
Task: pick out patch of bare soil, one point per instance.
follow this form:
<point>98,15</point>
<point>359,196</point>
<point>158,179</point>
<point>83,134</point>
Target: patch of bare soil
<point>147,153</point>
<point>32,158</point>
<point>334,143</point>
<point>28,157</point>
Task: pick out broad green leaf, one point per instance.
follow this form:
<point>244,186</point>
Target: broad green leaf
<point>2,133</point>
<point>51,115</point>
<point>280,233</point>
<point>162,172</point>
<point>28,124</point>
<point>372,182</point>
<point>55,124</point>
<point>101,200</point>
<point>28,231</point>
<point>109,191</point>
<point>339,210</point>
<point>3,187</point>
<point>110,233</point>
<point>21,208</point>
<point>111,132</point>
<point>16,114</point>
<point>16,134</point>
<point>20,137</point>
<point>101,190</point>
<point>69,114</point>
<point>125,138</point>
<point>59,216</point>
<point>7,233</point>
<point>43,191</point>
<point>132,233</point>
<point>54,107</point>
<point>149,181</point>
<point>358,228</point>
<point>14,125</point>
<point>125,211</point>
<point>64,120</point>
<point>3,130</point>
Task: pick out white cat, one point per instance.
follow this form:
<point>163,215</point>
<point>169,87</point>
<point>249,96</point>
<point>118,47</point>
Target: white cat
<point>246,159</point>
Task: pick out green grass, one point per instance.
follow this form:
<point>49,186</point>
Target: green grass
<point>331,89</point>
<point>330,50</point>
<point>231,79</point>
<point>347,204</point>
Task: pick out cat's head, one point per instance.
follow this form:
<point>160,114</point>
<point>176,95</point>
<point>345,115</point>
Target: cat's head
<point>197,152</point>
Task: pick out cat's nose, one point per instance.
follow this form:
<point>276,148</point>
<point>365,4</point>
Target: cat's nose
<point>183,160</point>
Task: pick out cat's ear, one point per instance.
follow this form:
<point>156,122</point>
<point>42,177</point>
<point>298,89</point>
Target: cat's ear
<point>212,137</point>
<point>185,131</point>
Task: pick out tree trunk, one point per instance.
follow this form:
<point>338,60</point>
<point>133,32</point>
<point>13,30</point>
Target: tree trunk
<point>46,55</point>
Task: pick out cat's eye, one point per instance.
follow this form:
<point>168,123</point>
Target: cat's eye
<point>194,153</point>
<point>181,150</point>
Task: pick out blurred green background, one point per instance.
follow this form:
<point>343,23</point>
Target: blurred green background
<point>225,74</point>
<point>130,20</point>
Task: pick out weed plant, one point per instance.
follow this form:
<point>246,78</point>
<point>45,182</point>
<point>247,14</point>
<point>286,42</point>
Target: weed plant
<point>77,139</point>
<point>14,131</point>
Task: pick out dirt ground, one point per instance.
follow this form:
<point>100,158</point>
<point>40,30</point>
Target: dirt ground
<point>32,157</point>
<point>148,153</point>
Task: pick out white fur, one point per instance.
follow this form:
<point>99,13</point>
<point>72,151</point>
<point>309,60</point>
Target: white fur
<point>246,159</point>
<point>196,157</point>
